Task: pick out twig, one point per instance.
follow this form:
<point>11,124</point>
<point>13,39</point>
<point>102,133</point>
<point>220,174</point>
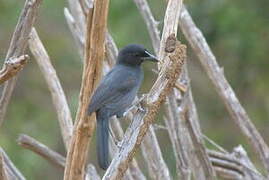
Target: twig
<point>3,173</point>
<point>152,25</point>
<point>179,137</point>
<point>153,156</point>
<point>135,171</point>
<point>84,127</point>
<point>214,144</point>
<point>236,162</point>
<point>143,119</point>
<point>52,156</point>
<point>53,82</point>
<point>76,32</point>
<point>12,67</point>
<point>17,47</point>
<point>223,88</point>
<point>11,170</point>
<point>42,150</point>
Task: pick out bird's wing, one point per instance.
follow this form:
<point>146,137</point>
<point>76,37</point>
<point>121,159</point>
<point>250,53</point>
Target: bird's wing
<point>112,88</point>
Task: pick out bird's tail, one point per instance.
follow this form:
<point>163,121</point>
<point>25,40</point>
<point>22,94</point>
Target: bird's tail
<point>102,141</point>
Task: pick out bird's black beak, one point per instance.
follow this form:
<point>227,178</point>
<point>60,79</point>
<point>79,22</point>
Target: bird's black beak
<point>150,57</point>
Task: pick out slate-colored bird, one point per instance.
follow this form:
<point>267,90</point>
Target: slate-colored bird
<point>116,93</point>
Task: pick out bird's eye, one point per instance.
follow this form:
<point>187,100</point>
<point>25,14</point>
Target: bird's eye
<point>136,54</point>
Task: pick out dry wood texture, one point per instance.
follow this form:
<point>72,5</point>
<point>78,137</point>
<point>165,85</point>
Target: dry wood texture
<point>12,67</point>
<point>17,47</point>
<point>223,88</point>
<point>84,126</point>
<point>53,82</point>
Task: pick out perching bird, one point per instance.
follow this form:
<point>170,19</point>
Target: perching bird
<point>116,92</point>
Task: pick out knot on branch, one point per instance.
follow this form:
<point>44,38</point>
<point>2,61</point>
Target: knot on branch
<point>12,66</point>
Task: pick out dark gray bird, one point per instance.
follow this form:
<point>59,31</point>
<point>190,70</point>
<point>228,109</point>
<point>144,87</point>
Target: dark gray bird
<point>116,93</point>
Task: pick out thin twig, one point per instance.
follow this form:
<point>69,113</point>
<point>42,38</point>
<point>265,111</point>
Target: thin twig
<point>223,88</point>
<point>42,150</point>
<point>3,173</point>
<point>214,144</point>
<point>153,156</point>
<point>53,82</point>
<point>12,67</point>
<point>84,127</point>
<point>12,171</point>
<point>17,47</point>
<point>152,24</point>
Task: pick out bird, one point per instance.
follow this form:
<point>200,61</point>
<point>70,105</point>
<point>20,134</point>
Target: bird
<point>116,93</point>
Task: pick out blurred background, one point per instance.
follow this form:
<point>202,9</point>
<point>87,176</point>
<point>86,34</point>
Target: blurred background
<point>237,32</point>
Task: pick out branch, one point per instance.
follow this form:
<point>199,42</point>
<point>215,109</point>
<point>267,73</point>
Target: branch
<point>180,144</point>
<point>152,24</point>
<point>223,88</point>
<point>84,127</point>
<point>234,165</point>
<point>53,82</point>
<point>143,118</point>
<point>12,67</point>
<point>42,150</point>
<point>76,32</point>
<point>3,173</point>
<point>153,156</point>
<point>17,47</point>
<point>11,171</point>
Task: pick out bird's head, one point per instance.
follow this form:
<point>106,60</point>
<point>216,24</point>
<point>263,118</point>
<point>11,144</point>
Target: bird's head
<point>134,55</point>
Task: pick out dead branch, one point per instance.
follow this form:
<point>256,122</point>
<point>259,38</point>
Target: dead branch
<point>42,150</point>
<point>152,24</point>
<point>11,67</point>
<point>200,161</point>
<point>153,156</point>
<point>3,173</point>
<point>11,171</point>
<point>223,88</point>
<point>84,127</point>
<point>143,118</point>
<point>17,47</point>
<point>76,33</point>
<point>53,82</point>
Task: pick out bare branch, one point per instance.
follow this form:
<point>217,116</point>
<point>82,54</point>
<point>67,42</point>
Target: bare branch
<point>76,32</point>
<point>134,170</point>
<point>52,156</point>
<point>3,173</point>
<point>143,118</point>
<point>53,82</point>
<point>233,164</point>
<point>42,150</point>
<point>84,127</point>
<point>152,25</point>
<point>11,171</point>
<point>17,47</point>
<point>223,88</point>
<point>153,156</point>
<point>12,67</point>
